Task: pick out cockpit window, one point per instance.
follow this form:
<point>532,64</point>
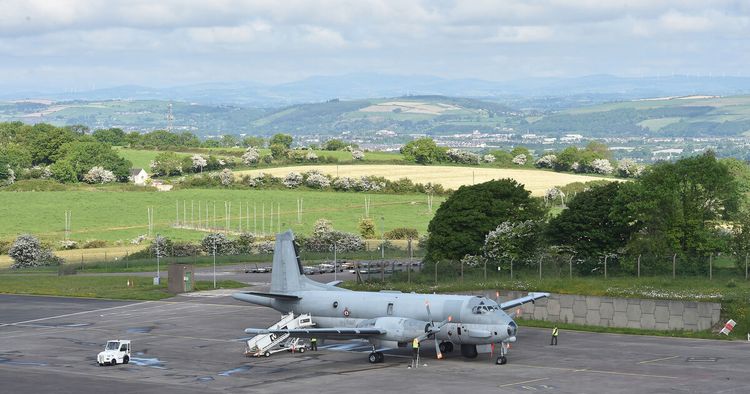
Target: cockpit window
<point>480,309</point>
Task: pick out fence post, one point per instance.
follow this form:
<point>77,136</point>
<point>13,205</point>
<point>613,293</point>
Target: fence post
<point>711,266</point>
<point>674,266</point>
<point>462,271</point>
<point>436,264</point>
<point>606,256</point>
<point>570,268</point>
<point>511,268</point>
<point>81,261</point>
<point>746,266</point>
<point>485,270</point>
<point>127,262</point>
<point>639,266</point>
<point>540,268</point>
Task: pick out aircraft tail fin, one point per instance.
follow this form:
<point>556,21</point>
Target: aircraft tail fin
<point>286,276</point>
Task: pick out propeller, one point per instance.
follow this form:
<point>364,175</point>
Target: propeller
<point>433,329</point>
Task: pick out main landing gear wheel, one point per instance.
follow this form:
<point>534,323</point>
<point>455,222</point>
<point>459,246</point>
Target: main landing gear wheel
<point>469,351</point>
<point>445,347</point>
<point>502,360</point>
<point>376,357</point>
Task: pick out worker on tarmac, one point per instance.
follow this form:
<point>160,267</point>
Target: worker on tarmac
<point>555,333</point>
<point>314,344</point>
<point>415,351</point>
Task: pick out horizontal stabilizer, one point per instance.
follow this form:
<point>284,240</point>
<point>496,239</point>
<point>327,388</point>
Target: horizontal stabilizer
<point>531,297</point>
<point>335,283</point>
<point>283,297</point>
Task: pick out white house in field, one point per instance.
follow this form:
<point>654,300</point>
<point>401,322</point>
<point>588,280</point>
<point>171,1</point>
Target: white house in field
<point>138,176</point>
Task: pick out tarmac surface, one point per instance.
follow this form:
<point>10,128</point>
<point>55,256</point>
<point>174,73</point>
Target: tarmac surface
<point>194,344</point>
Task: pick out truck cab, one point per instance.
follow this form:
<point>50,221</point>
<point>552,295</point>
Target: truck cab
<point>115,351</point>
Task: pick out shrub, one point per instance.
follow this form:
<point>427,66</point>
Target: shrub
<point>223,245</point>
<point>317,181</point>
<point>462,156</point>
<point>4,246</point>
<point>311,156</point>
<point>254,180</point>
<point>292,180</point>
<point>266,247</point>
<point>99,175</point>
<point>185,249</point>
<point>251,156</point>
<point>546,161</point>
<point>324,237</point>
<point>94,243</point>
<point>268,159</point>
<point>358,155</point>
<point>226,176</point>
<point>367,228</point>
<point>628,168</point>
<point>26,251</point>
<point>601,166</point>
<point>68,245</point>
<point>161,246</point>
<point>488,158</point>
<point>402,233</point>
<point>244,243</point>
<point>519,160</point>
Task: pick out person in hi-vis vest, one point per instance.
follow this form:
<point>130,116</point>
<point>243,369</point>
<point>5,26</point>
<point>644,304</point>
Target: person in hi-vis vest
<point>415,350</point>
<point>555,332</point>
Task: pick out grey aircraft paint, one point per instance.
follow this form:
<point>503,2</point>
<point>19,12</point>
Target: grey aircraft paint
<point>385,318</point>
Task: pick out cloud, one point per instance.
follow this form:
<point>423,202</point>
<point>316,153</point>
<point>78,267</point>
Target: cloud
<point>297,38</point>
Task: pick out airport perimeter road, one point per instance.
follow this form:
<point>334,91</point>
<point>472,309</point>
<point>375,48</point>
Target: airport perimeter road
<point>194,344</point>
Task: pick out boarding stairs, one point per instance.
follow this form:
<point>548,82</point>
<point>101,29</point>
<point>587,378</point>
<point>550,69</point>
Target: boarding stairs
<point>267,344</point>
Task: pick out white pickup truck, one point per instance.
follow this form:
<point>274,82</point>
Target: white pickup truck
<point>116,351</point>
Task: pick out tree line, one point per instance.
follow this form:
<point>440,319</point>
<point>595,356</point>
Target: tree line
<point>686,211</point>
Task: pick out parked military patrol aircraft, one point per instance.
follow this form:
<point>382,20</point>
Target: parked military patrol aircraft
<point>386,319</point>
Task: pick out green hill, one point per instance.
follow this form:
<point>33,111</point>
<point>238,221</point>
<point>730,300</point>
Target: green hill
<point>692,116</point>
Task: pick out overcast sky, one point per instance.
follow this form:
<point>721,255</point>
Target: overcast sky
<point>80,44</point>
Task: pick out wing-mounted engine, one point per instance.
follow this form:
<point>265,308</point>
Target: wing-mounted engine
<point>397,329</point>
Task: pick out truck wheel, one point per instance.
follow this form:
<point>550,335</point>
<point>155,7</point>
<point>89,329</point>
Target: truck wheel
<point>267,353</point>
<point>301,350</point>
<point>113,362</point>
<point>125,360</point>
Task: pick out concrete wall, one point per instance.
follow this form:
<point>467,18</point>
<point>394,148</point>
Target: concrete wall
<point>619,312</point>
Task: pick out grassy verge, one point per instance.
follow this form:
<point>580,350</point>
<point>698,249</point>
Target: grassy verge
<point>706,334</point>
<point>111,287</point>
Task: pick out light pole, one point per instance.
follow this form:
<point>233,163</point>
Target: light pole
<point>335,269</point>
<point>214,262</point>
<point>382,238</point>
<point>436,264</point>
<point>158,267</point>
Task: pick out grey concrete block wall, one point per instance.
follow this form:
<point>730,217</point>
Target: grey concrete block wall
<point>619,312</point>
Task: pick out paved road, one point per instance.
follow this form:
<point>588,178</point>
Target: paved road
<point>194,344</point>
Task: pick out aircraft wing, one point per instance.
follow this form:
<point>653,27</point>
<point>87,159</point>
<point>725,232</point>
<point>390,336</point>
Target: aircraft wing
<point>531,297</point>
<point>331,333</point>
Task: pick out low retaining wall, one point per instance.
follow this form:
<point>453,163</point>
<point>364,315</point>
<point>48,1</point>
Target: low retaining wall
<point>619,312</point>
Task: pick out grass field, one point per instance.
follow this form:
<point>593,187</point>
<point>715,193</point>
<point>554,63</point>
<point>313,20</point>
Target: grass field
<point>537,181</point>
<point>141,158</point>
<point>113,287</point>
<point>113,216</point>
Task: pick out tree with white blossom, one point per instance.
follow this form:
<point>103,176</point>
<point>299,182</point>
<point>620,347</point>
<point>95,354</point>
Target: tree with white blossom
<point>226,176</point>
<point>520,160</point>
<point>251,156</point>
<point>198,162</point>
<point>99,175</point>
<point>601,166</point>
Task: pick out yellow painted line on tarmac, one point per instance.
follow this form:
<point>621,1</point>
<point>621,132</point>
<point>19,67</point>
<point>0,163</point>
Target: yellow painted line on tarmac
<point>658,359</point>
<point>524,382</point>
